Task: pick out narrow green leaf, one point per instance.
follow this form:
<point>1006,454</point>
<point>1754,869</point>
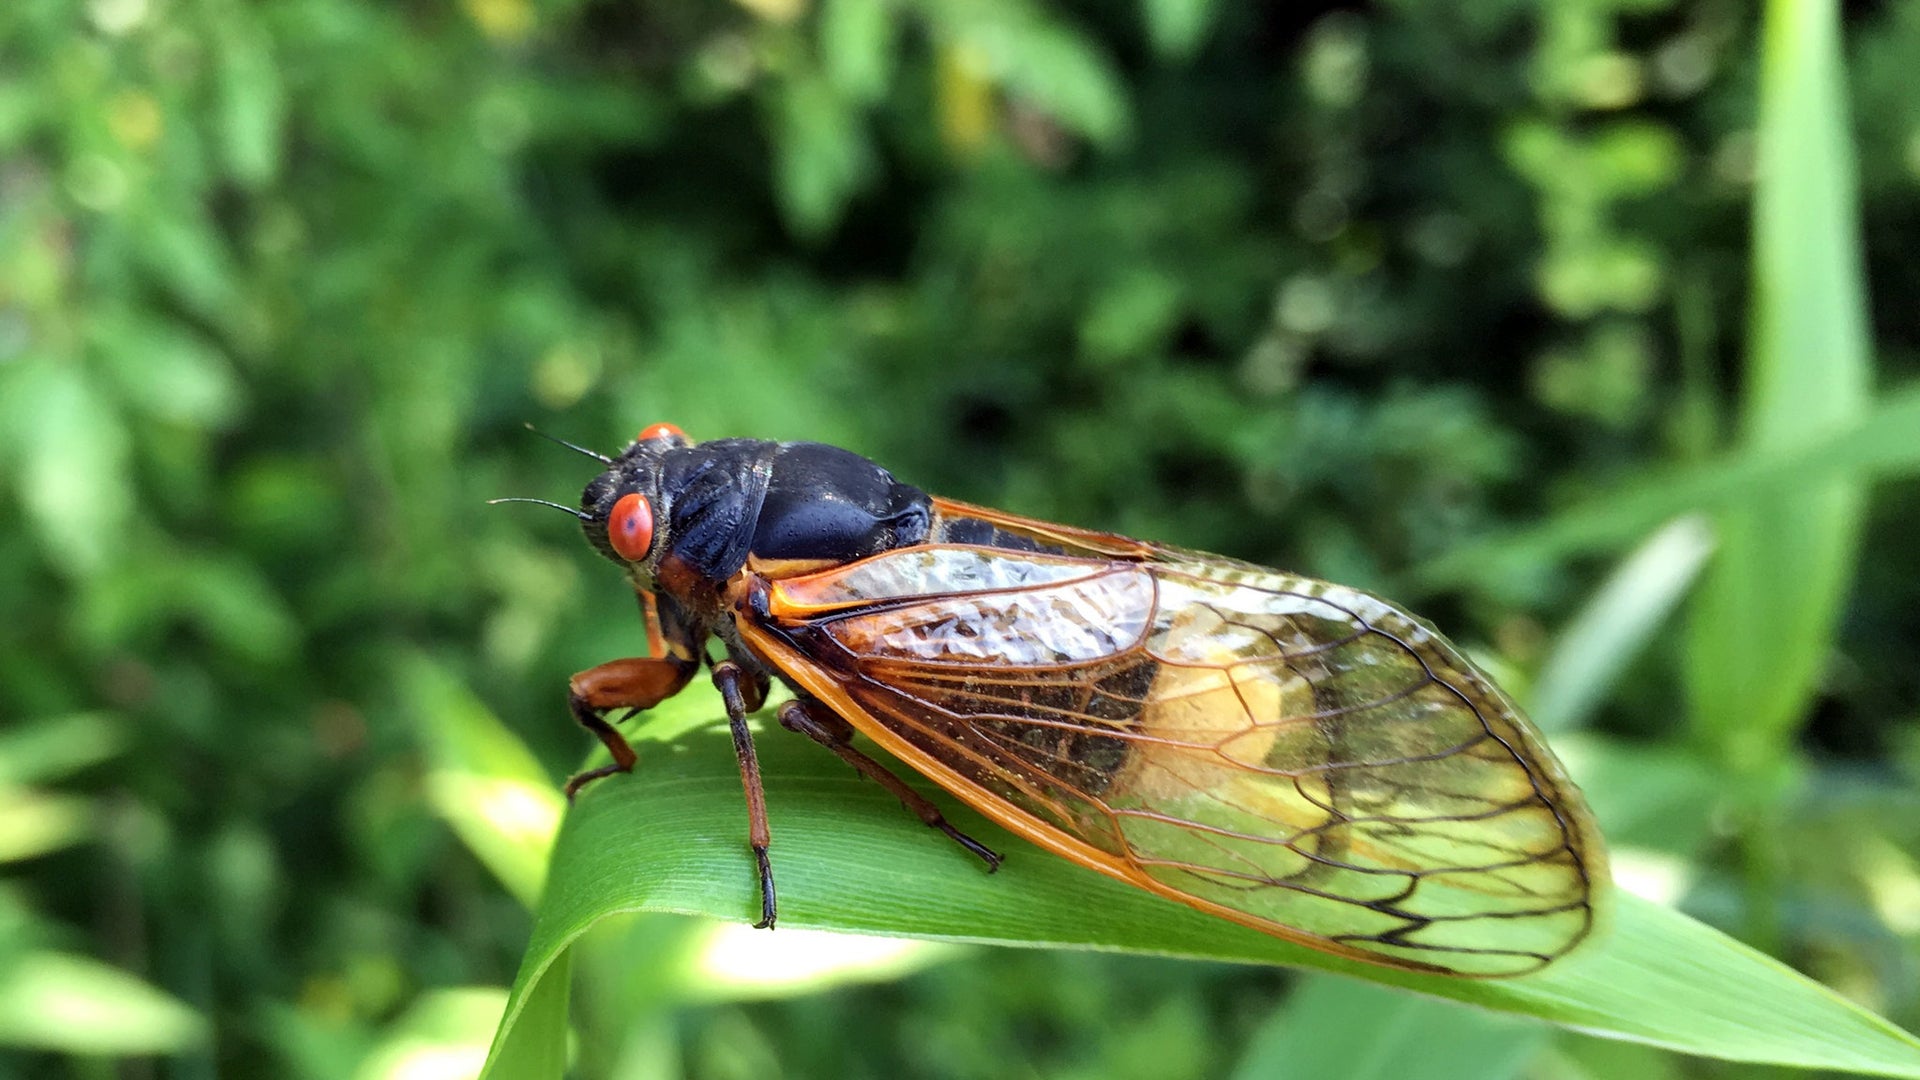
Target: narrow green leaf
<point>189,255</point>
<point>73,1004</point>
<point>235,604</point>
<point>672,837</point>
<point>1613,626</point>
<point>1786,557</point>
<point>33,823</point>
<point>444,1034</point>
<point>1336,1027</point>
<point>1880,441</point>
<point>531,1042</point>
<point>484,781</point>
<point>161,368</point>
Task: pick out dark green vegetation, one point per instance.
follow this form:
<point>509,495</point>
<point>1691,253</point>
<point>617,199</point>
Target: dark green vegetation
<point>1463,303</point>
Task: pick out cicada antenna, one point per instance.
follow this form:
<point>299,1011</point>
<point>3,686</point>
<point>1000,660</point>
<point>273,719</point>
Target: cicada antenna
<point>581,514</point>
<point>594,454</point>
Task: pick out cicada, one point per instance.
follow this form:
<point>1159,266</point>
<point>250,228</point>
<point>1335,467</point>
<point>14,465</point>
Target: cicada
<point>1290,754</point>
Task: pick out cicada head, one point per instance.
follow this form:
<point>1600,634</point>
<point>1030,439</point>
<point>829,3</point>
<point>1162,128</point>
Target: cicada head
<point>623,511</point>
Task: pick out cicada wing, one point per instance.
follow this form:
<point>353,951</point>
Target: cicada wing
<point>1298,756</point>
<point>1066,539</point>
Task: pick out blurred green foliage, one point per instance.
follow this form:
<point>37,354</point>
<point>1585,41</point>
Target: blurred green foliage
<point>1340,289</point>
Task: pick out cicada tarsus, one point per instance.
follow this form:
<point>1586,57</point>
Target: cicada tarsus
<point>1293,755</point>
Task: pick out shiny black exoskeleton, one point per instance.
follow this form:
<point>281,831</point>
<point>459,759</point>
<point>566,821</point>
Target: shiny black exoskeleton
<point>716,503</point>
<point>692,523</point>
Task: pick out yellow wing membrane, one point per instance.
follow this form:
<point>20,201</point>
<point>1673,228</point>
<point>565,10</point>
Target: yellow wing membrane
<point>1294,755</point>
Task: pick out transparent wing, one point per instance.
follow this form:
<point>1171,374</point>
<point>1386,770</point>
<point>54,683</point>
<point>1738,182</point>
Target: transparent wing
<point>1295,755</point>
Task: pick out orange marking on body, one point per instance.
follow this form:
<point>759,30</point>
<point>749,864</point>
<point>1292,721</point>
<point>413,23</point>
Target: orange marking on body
<point>1086,541</point>
<point>775,569</point>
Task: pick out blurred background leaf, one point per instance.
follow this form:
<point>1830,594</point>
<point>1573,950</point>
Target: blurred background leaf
<point>55,1001</point>
<point>1786,561</point>
<point>1331,1027</point>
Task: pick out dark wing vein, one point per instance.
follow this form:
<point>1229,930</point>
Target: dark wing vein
<point>1299,754</point>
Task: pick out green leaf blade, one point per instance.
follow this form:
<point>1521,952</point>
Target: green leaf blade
<point>1616,623</point>
<point>483,781</point>
<point>75,1004</point>
<point>1766,613</point>
<point>1880,442</point>
<point>671,837</point>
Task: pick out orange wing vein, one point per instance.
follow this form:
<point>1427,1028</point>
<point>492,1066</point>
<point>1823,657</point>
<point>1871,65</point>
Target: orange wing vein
<point>1294,755</point>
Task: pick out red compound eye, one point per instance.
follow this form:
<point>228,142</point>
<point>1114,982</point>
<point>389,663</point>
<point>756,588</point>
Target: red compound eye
<point>657,431</point>
<point>630,528</point>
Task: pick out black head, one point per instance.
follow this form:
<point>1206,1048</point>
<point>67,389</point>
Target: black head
<point>624,510</point>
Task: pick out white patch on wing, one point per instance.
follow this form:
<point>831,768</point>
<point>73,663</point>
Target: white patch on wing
<point>1076,622</point>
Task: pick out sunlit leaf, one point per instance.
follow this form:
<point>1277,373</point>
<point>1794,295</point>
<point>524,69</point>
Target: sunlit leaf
<point>1615,623</point>
<point>969,109</point>
<point>1048,63</point>
<point>442,1037</point>
<point>227,598</point>
<point>671,837</point>
<point>252,98</point>
<point>484,782</point>
<point>36,822</point>
<point>71,439</point>
<point>56,1001</point>
<point>165,370</point>
<point>733,961</point>
<point>188,254</point>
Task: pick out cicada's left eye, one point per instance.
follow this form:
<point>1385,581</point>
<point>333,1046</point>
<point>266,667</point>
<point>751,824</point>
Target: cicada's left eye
<point>630,527</point>
<point>662,430</point>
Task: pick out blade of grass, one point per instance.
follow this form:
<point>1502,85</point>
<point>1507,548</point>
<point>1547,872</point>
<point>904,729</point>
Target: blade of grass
<point>482,780</point>
<point>532,1038</point>
<point>77,1005</point>
<point>441,1035</point>
<point>1880,442</point>
<point>671,837</point>
<point>1613,626</point>
<point>1764,617</point>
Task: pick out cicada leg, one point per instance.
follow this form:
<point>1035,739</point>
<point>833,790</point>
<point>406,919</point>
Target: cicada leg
<point>744,692</point>
<point>817,722</point>
<point>633,684</point>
